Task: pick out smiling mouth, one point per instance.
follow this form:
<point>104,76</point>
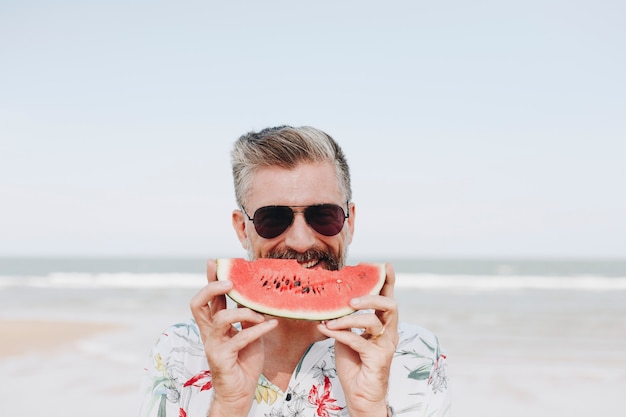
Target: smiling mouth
<point>310,264</point>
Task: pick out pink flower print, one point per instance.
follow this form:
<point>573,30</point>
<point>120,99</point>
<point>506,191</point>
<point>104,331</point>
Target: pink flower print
<point>438,379</point>
<point>202,380</point>
<point>322,401</point>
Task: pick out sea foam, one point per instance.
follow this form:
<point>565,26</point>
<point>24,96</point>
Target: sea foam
<point>105,280</point>
<point>510,282</point>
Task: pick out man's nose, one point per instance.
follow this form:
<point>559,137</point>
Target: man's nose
<point>299,236</point>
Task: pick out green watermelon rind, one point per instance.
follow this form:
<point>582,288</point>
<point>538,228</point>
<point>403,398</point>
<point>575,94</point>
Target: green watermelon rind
<point>223,273</point>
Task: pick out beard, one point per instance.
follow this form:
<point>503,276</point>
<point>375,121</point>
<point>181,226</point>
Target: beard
<point>332,261</point>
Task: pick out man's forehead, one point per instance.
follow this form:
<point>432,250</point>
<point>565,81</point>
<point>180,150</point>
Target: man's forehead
<point>309,183</point>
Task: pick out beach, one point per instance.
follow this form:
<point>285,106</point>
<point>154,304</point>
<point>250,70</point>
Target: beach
<point>532,352</point>
<point>76,343</point>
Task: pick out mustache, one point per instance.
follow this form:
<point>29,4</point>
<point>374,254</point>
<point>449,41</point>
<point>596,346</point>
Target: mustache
<point>331,261</point>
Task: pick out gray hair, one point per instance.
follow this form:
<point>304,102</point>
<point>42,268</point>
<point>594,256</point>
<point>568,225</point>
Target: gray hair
<point>285,147</point>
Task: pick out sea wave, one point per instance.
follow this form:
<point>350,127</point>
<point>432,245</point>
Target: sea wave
<point>105,280</point>
<point>510,282</point>
<point>403,281</point>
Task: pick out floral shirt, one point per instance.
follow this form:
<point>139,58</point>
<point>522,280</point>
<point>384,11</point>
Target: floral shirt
<point>177,381</point>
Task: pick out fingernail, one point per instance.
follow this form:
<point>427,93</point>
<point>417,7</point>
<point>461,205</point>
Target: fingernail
<point>355,301</point>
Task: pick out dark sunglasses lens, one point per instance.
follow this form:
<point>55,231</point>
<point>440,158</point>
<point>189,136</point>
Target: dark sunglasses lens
<point>326,219</point>
<point>271,221</point>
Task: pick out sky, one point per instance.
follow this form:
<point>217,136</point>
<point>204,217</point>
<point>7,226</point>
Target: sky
<point>473,129</point>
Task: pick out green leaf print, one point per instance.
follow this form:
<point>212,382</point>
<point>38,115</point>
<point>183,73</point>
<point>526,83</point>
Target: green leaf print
<point>421,372</point>
<point>162,407</point>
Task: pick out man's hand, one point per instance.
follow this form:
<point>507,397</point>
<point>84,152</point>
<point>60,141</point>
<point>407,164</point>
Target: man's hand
<point>235,356</point>
<point>364,361</point>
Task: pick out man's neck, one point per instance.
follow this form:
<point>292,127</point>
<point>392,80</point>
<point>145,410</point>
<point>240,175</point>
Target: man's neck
<point>284,348</point>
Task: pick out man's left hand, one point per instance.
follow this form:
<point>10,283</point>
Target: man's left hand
<point>364,360</point>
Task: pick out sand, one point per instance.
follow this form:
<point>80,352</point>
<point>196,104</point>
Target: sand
<point>40,337</point>
<point>531,353</point>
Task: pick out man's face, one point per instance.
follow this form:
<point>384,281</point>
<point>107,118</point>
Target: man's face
<point>307,184</point>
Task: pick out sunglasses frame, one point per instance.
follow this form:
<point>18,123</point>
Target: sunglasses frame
<point>346,215</point>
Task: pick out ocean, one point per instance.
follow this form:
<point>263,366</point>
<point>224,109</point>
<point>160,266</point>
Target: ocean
<point>475,274</point>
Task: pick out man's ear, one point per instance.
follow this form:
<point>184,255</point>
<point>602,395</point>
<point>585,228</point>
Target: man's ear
<point>350,220</point>
<point>239,224</point>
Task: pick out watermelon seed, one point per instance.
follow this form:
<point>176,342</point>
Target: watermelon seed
<point>296,283</point>
<point>306,290</point>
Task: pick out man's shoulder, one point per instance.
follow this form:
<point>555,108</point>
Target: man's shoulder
<point>181,345</point>
<point>185,326</point>
<point>418,339</point>
<point>184,332</point>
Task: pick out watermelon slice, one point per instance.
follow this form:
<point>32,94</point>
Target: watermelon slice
<point>281,287</point>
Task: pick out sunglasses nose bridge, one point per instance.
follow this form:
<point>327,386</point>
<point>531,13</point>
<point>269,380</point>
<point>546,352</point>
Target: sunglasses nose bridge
<point>299,236</point>
<point>294,216</point>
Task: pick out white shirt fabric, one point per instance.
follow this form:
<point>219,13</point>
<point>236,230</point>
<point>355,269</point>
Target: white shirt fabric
<point>177,379</point>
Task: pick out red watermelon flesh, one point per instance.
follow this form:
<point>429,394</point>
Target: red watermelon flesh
<point>281,287</point>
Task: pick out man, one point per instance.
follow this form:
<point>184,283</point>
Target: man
<point>231,362</point>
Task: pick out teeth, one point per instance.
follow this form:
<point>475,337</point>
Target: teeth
<point>310,264</point>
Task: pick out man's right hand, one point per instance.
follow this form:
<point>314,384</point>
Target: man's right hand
<point>235,356</point>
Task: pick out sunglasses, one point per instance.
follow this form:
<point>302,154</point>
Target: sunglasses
<point>272,221</point>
